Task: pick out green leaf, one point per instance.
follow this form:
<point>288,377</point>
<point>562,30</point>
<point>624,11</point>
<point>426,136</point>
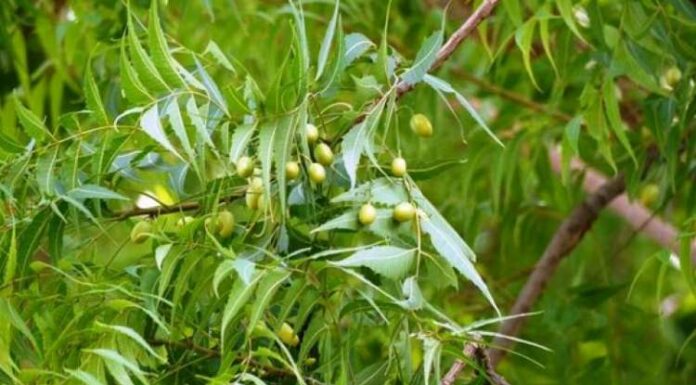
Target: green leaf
<point>356,45</point>
<point>133,89</point>
<point>382,190</point>
<point>265,153</point>
<point>414,297</point>
<point>90,191</point>
<point>161,253</point>
<point>212,88</point>
<point>265,292</point>
<point>196,117</point>
<point>151,125</point>
<point>546,39</point>
<point>9,144</point>
<point>389,261</point>
<point>611,106</point>
<point>565,8</point>
<point>118,372</point>
<point>326,42</point>
<point>424,59</point>
<point>430,170</point>
<point>346,221</point>
<point>161,57</point>
<point>83,376</point>
<point>176,121</point>
<point>240,141</point>
<point>432,349</point>
<point>112,356</point>
<point>524,37</point>
<point>354,142</point>
<point>92,96</point>
<point>33,126</point>
<point>44,172</point>
<point>214,50</point>
<point>143,65</point>
<point>441,85</point>
<point>238,297</point>
<point>132,334</point>
<point>287,127</point>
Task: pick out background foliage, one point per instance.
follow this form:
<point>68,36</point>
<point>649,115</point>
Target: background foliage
<point>108,107</point>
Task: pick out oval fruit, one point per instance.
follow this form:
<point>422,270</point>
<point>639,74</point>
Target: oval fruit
<point>245,166</point>
<point>312,133</point>
<point>292,170</point>
<point>254,192</point>
<point>404,212</point>
<point>421,126</point>
<point>287,335</point>
<point>183,221</point>
<point>323,154</point>
<point>141,231</point>
<point>225,223</point>
<point>398,167</point>
<point>367,214</point>
<point>672,76</point>
<point>317,173</point>
<point>649,194</point>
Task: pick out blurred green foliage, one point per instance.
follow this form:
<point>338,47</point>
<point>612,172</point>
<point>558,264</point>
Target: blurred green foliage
<point>595,78</point>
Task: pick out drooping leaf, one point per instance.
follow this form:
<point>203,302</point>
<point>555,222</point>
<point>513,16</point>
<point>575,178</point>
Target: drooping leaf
<point>133,335</point>
<point>238,297</point>
<point>285,132</point>
<point>264,293</point>
<point>389,261</point>
<point>131,86</point>
<point>424,59</point>
<point>91,191</point>
<point>86,378</point>
<point>381,190</point>
<point>524,37</point>
<point>162,59</point>
<point>240,141</point>
<point>151,125</point>
<point>356,44</point>
<point>354,142</point>
<point>92,96</point>
<point>326,42</point>
<point>413,296</point>
<point>33,126</point>
<point>143,65</point>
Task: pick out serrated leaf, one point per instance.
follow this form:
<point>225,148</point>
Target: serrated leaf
<point>565,8</point>
<point>132,334</point>
<point>424,59</point>
<point>448,248</point>
<point>118,372</point>
<point>346,221</point>
<point>546,40</point>
<point>356,45</point>
<point>176,121</point>
<point>214,50</point>
<point>196,117</point>
<point>326,42</point>
<point>240,141</point>
<point>266,138</point>
<point>389,261</point>
<point>161,57</point>
<point>445,87</point>
<point>44,172</point>
<point>238,297</point>
<point>133,89</point>
<point>84,377</point>
<point>143,65</point>
<point>414,297</point>
<point>212,88</point>
<point>244,268</point>
<point>381,190</point>
<point>113,356</point>
<point>355,141</point>
<point>431,357</point>
<point>93,97</point>
<point>265,292</point>
<point>151,125</point>
<point>90,191</point>
<point>33,126</point>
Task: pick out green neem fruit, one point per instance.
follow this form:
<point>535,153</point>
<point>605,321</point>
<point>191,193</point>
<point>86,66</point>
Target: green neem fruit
<point>141,232</point>
<point>672,76</point>
<point>317,173</point>
<point>420,124</point>
<point>292,170</point>
<point>312,133</point>
<point>404,212</point>
<point>183,221</point>
<point>245,166</point>
<point>287,335</point>
<point>225,223</point>
<point>323,154</point>
<point>367,214</point>
<point>398,167</point>
<point>649,194</point>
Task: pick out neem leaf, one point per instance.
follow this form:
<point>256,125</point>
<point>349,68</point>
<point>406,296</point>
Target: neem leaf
<point>389,261</point>
<point>33,126</point>
<point>161,57</point>
<point>91,191</point>
<point>150,123</point>
<point>326,43</point>
<point>424,59</point>
<point>92,97</point>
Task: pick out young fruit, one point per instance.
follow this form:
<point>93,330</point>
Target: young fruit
<point>367,214</point>
<point>404,212</point>
<point>253,193</point>
<point>317,173</point>
<point>225,223</point>
<point>287,335</point>
<point>323,154</point>
<point>420,124</point>
<point>141,231</point>
<point>398,167</point>
<point>312,133</point>
<point>261,202</point>
<point>649,194</point>
<point>292,170</point>
<point>183,221</point>
<point>672,76</point>
<point>245,166</point>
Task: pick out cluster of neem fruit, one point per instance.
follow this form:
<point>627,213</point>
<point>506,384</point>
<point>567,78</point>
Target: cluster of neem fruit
<point>222,224</point>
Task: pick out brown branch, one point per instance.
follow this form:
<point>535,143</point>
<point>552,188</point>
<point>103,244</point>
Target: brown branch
<point>178,208</point>
<point>474,351</point>
<point>566,238</point>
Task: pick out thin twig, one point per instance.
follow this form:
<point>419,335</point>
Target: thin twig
<point>474,352</point>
